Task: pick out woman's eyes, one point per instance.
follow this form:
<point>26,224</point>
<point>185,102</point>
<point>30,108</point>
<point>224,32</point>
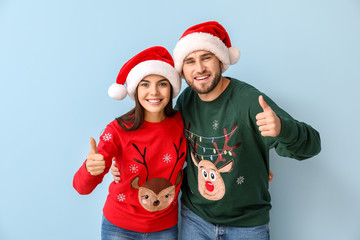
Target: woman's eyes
<point>163,84</point>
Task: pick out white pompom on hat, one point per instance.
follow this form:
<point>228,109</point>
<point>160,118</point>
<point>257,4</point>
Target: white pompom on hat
<point>208,36</point>
<point>155,60</point>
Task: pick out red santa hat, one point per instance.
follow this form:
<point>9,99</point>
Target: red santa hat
<point>154,60</point>
<point>208,36</point>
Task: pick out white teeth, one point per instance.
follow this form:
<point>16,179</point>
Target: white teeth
<point>153,101</point>
<point>201,78</point>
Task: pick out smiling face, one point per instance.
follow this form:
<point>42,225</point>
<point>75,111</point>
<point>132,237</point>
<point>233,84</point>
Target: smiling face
<point>202,71</point>
<point>153,93</point>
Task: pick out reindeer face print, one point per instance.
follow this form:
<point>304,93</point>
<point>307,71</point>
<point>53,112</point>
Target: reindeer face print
<point>156,202</point>
<point>158,193</point>
<point>210,182</point>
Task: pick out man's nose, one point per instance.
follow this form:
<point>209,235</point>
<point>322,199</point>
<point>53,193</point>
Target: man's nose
<point>199,67</point>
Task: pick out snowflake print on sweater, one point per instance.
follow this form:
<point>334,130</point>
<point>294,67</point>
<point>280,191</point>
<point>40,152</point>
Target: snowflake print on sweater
<point>215,124</point>
<point>240,180</point>
<point>167,158</point>
<point>133,168</point>
<point>121,197</point>
<point>106,137</point>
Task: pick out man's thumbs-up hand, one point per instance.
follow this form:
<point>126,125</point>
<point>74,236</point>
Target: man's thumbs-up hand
<point>95,162</point>
<point>268,122</point>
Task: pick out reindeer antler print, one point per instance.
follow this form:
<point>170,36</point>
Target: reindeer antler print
<point>157,193</point>
<point>143,157</point>
<point>177,156</point>
<point>193,147</point>
<point>226,147</point>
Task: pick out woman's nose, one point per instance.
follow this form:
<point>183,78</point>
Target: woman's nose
<point>154,90</point>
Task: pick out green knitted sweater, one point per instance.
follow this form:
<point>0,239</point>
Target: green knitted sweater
<point>226,178</point>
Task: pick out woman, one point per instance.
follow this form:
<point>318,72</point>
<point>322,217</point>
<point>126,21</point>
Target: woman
<point>149,148</point>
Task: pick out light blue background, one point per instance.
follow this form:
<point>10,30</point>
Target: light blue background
<point>57,59</point>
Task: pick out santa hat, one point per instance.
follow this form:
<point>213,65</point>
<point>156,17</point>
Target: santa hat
<point>155,60</point>
<point>208,36</point>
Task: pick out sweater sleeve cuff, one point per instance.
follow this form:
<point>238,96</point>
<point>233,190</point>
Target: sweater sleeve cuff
<point>289,131</point>
<point>84,173</point>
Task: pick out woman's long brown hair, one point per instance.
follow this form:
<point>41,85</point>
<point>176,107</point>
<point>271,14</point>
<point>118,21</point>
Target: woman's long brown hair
<point>133,119</point>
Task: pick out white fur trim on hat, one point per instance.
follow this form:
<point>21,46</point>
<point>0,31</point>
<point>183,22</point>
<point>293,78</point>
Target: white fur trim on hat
<point>117,91</point>
<point>157,67</point>
<point>234,54</point>
<point>204,41</point>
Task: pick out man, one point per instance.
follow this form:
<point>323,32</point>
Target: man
<point>230,127</point>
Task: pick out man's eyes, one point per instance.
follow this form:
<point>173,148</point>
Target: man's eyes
<point>207,58</point>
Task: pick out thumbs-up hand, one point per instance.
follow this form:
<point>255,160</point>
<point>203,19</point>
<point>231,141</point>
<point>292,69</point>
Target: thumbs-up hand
<point>95,162</point>
<point>268,122</point>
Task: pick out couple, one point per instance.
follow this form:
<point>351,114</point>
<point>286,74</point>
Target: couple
<point>223,128</point>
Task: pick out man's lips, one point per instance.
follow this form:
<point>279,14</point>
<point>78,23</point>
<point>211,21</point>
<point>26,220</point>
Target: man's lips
<point>202,77</point>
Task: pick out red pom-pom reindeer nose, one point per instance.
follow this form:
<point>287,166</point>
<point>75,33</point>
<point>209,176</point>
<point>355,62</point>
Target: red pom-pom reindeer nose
<point>209,186</point>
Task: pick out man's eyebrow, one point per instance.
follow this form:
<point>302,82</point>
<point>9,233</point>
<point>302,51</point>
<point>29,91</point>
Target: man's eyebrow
<point>203,55</point>
<point>207,54</point>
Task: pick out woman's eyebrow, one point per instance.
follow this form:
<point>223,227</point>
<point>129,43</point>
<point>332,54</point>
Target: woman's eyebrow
<point>162,80</point>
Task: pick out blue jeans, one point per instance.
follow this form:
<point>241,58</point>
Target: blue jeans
<point>111,232</point>
<point>194,227</point>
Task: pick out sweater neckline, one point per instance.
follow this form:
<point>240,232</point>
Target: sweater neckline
<point>156,124</point>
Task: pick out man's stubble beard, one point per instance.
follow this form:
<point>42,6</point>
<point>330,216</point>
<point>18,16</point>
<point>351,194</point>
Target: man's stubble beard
<point>209,89</point>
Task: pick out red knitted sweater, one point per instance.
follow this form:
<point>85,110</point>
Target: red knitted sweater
<point>150,160</point>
